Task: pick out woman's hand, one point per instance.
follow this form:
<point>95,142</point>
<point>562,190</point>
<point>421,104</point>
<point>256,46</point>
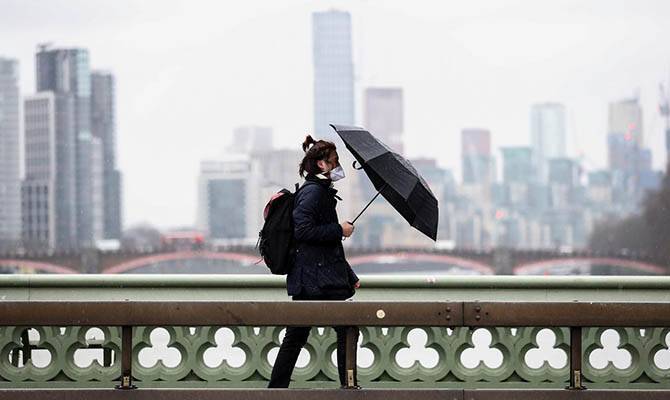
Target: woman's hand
<point>347,229</point>
<point>357,284</point>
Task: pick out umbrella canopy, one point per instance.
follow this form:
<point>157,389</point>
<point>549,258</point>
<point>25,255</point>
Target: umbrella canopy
<point>394,177</point>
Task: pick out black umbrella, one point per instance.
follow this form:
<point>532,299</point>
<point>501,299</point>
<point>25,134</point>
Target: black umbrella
<point>394,177</point>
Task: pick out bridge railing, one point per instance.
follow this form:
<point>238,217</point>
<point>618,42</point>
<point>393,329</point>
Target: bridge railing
<point>129,315</point>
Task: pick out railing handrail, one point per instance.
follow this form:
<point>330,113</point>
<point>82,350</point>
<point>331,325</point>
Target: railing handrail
<point>369,281</point>
<point>333,313</point>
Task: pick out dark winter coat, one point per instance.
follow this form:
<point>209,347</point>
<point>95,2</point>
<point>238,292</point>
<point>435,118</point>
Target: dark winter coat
<point>320,266</point>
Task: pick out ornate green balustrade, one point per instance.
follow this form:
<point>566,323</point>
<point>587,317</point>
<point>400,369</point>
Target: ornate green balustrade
<point>421,357</point>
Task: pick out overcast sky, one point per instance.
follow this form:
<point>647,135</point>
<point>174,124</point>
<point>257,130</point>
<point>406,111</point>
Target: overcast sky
<point>188,72</point>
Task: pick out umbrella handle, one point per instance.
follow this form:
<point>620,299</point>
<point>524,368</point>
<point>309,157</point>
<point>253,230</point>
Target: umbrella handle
<point>353,165</point>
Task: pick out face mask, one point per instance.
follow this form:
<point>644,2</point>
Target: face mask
<point>337,173</point>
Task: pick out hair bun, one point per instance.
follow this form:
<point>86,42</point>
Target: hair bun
<point>309,141</point>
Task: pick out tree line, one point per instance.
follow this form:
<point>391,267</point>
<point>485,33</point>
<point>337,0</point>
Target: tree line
<point>646,234</point>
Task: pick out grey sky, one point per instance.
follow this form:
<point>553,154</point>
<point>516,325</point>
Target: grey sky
<point>188,72</point>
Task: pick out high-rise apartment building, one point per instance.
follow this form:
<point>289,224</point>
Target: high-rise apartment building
<point>333,72</point>
<point>625,118</point>
<point>628,160</point>
<point>477,163</point>
<point>548,137</point>
<point>10,179</point>
<point>48,193</point>
<point>228,198</point>
<point>334,91</point>
<point>103,127</point>
<point>66,72</point>
<point>624,136</point>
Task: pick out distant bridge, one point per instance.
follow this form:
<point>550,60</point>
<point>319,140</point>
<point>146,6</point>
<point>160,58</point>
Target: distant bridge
<point>246,260</point>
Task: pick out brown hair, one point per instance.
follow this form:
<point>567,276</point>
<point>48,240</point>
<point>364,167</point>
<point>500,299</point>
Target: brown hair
<point>315,150</point>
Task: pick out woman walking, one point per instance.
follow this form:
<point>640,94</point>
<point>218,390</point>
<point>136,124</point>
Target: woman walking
<point>321,271</point>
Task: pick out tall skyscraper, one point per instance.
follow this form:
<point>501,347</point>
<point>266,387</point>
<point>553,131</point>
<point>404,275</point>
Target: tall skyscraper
<point>103,127</point>
<point>66,72</point>
<point>625,118</point>
<point>10,179</point>
<point>624,136</point>
<point>384,115</point>
<point>629,161</point>
<point>49,197</point>
<point>477,163</point>
<point>548,137</point>
<point>333,72</point>
<point>334,92</point>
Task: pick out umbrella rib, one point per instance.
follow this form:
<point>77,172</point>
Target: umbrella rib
<point>377,156</point>
<point>367,163</point>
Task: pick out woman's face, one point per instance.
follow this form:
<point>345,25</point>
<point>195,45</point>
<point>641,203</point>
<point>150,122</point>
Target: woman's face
<point>332,162</point>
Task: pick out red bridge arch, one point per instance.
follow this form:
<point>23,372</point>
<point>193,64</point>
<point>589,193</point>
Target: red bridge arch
<point>544,265</point>
<point>181,255</point>
<point>480,267</point>
<point>247,259</point>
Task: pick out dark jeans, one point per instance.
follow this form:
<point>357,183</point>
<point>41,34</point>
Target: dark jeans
<point>294,340</point>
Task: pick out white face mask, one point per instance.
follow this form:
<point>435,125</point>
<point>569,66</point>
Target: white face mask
<point>337,173</point>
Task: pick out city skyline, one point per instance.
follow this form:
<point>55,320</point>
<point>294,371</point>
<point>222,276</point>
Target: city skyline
<point>139,130</point>
<point>70,194</point>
